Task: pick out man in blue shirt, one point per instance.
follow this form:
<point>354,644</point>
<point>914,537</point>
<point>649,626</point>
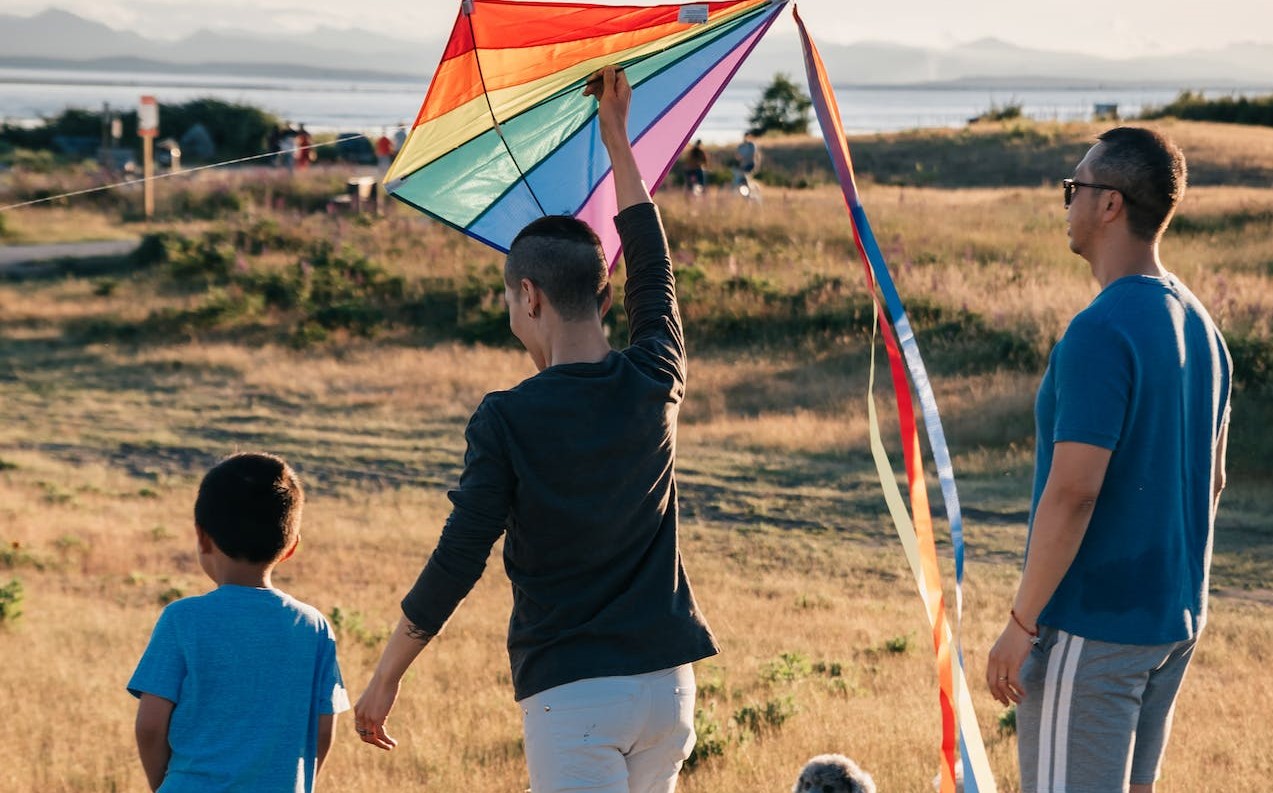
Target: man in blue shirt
<point>1132,419</point>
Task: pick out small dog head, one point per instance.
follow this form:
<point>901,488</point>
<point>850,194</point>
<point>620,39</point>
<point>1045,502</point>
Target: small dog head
<point>833,773</point>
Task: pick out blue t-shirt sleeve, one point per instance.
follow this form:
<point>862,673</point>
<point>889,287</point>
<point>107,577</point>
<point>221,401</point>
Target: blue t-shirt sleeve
<point>162,668</point>
<point>332,696</point>
<point>1093,379</point>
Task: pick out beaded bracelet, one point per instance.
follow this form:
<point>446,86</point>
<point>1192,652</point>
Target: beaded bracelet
<point>1034,634</point>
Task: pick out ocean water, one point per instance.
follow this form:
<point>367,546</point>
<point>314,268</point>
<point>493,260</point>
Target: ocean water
<point>332,105</point>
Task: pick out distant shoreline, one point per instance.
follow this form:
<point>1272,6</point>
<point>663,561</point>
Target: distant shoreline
<point>168,69</point>
<point>170,73</point>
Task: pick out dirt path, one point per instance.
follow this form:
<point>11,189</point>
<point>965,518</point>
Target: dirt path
<point>19,260</point>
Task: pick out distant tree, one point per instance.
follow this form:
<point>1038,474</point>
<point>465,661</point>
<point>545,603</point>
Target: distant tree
<point>236,130</point>
<point>783,107</point>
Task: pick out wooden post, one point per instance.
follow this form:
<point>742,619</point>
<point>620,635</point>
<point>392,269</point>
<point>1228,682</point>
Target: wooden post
<point>148,128</point>
<point>147,172</point>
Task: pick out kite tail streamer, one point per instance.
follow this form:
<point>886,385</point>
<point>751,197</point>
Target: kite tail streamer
<point>959,721</point>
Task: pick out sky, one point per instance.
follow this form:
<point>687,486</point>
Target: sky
<point>1122,28</point>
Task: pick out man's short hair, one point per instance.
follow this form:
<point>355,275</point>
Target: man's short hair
<point>562,256</point>
<point>1150,172</point>
<point>250,505</point>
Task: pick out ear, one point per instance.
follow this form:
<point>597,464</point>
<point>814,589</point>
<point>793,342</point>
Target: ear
<point>296,543</point>
<point>607,300</point>
<point>1113,205</point>
<point>532,296</point>
<point>204,540</point>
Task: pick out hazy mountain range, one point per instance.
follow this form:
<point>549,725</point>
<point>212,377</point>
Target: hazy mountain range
<point>61,40</point>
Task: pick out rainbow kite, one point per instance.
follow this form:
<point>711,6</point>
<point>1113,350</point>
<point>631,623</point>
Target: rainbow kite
<point>506,135</point>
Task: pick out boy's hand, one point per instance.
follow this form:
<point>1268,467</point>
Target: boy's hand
<point>372,711</point>
<point>153,715</point>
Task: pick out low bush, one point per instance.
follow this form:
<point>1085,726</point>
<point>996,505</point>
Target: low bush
<point>1239,109</point>
<point>11,595</point>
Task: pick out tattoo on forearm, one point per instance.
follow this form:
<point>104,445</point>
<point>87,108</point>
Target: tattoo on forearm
<point>419,634</point>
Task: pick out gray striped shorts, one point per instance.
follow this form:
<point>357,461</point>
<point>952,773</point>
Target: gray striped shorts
<point>1096,715</point>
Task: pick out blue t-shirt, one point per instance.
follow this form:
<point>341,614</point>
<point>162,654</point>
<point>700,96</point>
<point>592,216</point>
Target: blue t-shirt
<point>250,671</point>
<point>1144,372</point>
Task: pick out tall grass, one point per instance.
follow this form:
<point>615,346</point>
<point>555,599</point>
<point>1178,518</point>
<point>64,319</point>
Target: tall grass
<point>119,386</point>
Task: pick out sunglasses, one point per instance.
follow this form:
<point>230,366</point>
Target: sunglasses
<point>1070,185</point>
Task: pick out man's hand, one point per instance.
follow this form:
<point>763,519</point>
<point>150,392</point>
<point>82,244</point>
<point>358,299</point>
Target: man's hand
<point>1003,666</point>
<point>372,711</point>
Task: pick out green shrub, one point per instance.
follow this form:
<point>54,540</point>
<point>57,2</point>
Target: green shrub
<point>1008,721</point>
<point>10,602</point>
<point>898,645</point>
<point>1006,112</point>
<point>15,555</point>
<point>352,625</point>
<point>1252,361</point>
<point>169,595</point>
<point>711,742</point>
<point>786,668</point>
<point>1194,106</point>
<point>758,719</point>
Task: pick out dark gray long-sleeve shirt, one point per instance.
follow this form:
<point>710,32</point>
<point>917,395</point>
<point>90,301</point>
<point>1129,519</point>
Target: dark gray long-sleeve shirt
<point>577,465</point>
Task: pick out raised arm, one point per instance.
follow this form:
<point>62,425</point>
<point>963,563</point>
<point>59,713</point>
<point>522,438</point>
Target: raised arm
<point>654,320</point>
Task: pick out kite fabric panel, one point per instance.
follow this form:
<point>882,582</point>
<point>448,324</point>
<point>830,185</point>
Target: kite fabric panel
<point>506,135</point>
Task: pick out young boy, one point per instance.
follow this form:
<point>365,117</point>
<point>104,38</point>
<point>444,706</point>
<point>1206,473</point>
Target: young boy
<point>240,688</point>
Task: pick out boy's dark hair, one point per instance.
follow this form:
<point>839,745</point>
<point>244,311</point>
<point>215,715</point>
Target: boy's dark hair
<point>562,256</point>
<point>1150,170</point>
<point>250,505</point>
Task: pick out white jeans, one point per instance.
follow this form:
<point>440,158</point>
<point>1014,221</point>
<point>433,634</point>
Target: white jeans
<point>611,734</point>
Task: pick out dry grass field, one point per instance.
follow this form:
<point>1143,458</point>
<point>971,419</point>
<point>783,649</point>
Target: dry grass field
<point>785,533</point>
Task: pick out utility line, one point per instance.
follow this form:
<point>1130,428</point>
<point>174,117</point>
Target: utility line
<point>182,172</point>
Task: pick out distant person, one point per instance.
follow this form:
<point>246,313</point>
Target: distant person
<point>304,152</point>
<point>696,168</point>
<point>399,138</point>
<point>272,144</point>
<point>747,157</point>
<point>384,152</point>
<point>239,688</point>
<point>576,467</point>
<point>287,147</point>
<point>1133,421</point>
